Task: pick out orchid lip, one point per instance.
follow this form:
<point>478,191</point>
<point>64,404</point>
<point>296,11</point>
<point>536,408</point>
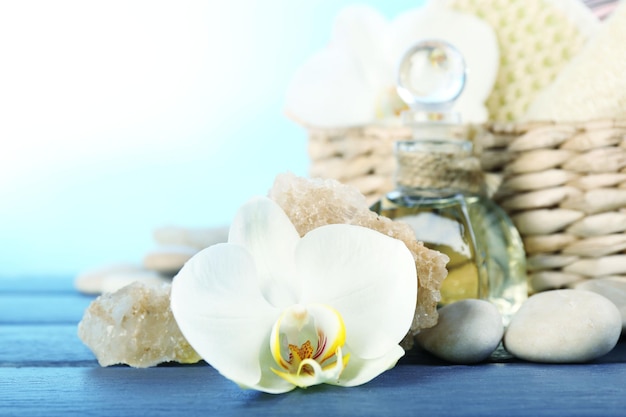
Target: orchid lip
<point>306,344</point>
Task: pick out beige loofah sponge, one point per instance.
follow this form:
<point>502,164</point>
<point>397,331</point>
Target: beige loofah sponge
<point>537,38</point>
<point>593,85</point>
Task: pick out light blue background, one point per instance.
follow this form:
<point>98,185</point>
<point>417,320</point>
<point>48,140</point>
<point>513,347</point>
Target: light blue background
<point>118,117</point>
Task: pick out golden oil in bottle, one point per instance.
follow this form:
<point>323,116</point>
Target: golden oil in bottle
<point>487,258</point>
<point>440,187</point>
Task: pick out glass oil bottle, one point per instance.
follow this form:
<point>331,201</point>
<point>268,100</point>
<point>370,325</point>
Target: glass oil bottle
<point>441,190</point>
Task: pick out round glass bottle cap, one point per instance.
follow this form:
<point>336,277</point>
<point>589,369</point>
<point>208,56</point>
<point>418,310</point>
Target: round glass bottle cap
<point>431,75</point>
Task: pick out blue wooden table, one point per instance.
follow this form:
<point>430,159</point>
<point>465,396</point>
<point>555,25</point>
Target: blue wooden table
<point>45,370</point>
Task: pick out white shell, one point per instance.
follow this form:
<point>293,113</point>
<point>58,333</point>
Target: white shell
<point>116,281</point>
<point>467,331</point>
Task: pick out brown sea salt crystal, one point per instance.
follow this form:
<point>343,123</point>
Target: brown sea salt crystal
<point>135,326</point>
<point>312,203</point>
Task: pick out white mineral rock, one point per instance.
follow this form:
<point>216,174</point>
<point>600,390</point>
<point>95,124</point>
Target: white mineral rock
<point>135,326</point>
<point>564,326</point>
<point>468,331</point>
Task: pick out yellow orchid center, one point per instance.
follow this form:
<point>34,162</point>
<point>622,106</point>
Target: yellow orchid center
<point>306,344</point>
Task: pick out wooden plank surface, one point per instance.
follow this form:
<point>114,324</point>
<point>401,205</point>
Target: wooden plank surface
<point>408,390</point>
<point>46,371</point>
<point>42,345</point>
<point>40,308</point>
<point>36,285</point>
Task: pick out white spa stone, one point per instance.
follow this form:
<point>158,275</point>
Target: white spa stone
<point>111,278</point>
<point>612,288</point>
<point>168,259</point>
<point>91,281</point>
<point>115,281</point>
<point>564,326</point>
<point>468,331</point>
<point>198,237</point>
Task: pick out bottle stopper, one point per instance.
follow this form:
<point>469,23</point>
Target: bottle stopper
<point>431,76</point>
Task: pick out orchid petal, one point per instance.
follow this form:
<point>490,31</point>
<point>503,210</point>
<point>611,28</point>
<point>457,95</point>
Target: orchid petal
<point>341,84</point>
<point>221,312</point>
<point>329,90</point>
<point>359,370</point>
<point>370,278</point>
<point>363,33</point>
<point>269,382</point>
<point>264,229</point>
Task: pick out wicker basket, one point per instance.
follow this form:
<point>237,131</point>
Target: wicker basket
<point>359,156</point>
<point>564,186</point>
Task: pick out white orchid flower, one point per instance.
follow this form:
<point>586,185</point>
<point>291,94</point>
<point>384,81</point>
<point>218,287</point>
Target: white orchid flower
<point>271,310</point>
<point>352,81</point>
